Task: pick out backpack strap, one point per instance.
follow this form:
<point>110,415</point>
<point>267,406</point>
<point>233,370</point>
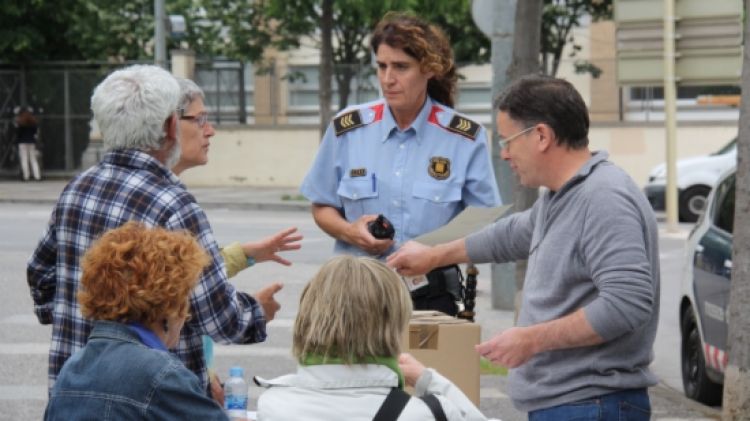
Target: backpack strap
<point>392,406</point>
<point>434,404</point>
<point>396,401</point>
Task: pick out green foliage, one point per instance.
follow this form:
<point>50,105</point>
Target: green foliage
<point>353,21</point>
<point>295,21</point>
<point>236,29</point>
<point>585,66</point>
<point>117,30</point>
<point>114,30</point>
<point>559,18</point>
<point>470,45</point>
<point>35,30</point>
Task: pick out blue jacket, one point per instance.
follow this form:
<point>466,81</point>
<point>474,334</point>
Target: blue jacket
<point>116,377</point>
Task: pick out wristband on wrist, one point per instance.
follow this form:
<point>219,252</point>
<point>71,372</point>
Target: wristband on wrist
<point>250,261</point>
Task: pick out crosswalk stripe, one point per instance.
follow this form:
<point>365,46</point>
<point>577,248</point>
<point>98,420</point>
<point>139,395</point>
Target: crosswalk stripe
<point>23,392</point>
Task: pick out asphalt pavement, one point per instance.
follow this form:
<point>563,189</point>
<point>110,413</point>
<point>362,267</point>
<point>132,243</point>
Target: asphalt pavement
<point>667,403</point>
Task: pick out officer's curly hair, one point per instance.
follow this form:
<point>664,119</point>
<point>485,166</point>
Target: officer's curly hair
<point>426,43</point>
<point>139,274</point>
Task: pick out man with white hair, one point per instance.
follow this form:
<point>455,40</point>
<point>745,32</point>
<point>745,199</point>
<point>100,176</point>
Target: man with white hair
<point>136,110</point>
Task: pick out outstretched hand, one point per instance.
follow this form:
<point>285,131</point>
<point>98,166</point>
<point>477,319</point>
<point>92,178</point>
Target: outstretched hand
<point>411,368</point>
<point>411,259</point>
<point>265,297</point>
<point>511,348</point>
<point>269,247</point>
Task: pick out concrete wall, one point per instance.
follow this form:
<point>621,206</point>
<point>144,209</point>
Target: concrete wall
<point>280,156</point>
<point>604,102</point>
<point>257,156</point>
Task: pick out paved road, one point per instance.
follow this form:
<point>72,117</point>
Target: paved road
<point>24,343</point>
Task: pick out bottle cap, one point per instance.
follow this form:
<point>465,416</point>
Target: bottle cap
<point>236,371</point>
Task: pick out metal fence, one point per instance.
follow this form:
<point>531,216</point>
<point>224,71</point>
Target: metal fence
<point>59,94</point>
<point>230,88</point>
<point>236,93</point>
<point>241,93</point>
<point>292,94</point>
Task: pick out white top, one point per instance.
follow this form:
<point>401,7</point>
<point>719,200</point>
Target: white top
<point>327,392</point>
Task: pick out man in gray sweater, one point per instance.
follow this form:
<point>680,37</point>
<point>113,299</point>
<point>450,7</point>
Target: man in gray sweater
<point>590,309</point>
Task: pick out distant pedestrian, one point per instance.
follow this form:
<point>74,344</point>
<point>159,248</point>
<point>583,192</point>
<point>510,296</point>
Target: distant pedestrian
<point>27,136</point>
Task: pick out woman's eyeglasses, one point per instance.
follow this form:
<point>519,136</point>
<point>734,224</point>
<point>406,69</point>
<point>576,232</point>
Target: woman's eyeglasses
<point>200,119</point>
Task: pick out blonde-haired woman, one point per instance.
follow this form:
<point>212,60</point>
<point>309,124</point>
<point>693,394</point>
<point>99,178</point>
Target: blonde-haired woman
<point>135,285</point>
<point>347,338</point>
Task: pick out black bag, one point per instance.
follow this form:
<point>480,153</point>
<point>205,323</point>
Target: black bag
<point>445,288</point>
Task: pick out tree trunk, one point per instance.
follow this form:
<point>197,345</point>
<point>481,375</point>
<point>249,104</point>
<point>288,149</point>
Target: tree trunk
<point>344,78</point>
<point>526,49</point>
<point>526,46</point>
<point>737,375</point>
<point>326,64</point>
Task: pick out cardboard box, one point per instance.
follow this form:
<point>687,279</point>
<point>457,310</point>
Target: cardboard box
<point>446,344</point>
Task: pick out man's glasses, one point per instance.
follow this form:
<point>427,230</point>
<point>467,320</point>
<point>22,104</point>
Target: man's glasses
<point>504,142</point>
<point>200,119</point>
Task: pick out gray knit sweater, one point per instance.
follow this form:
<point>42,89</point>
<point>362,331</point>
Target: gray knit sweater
<point>594,245</point>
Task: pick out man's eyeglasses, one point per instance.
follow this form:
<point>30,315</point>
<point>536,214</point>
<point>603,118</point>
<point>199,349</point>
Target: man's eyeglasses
<point>200,119</point>
<point>504,142</point>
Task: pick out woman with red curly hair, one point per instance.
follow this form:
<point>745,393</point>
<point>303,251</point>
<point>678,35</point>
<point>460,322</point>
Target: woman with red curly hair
<point>408,156</point>
<point>136,284</point>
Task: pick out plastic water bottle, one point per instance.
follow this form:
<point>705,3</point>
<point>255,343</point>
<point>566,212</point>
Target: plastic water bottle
<point>235,394</point>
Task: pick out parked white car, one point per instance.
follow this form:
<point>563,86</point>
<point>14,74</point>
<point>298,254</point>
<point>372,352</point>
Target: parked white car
<point>695,176</point>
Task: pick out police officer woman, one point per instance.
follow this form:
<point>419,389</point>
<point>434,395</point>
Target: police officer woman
<point>408,156</point>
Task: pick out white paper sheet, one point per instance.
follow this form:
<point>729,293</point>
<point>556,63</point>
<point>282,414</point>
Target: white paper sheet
<point>470,220</point>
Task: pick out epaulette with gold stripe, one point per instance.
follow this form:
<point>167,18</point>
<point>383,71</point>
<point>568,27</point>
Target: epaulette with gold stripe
<point>347,121</point>
<point>463,126</point>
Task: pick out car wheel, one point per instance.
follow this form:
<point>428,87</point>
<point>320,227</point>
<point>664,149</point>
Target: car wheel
<point>693,203</point>
<point>696,383</point>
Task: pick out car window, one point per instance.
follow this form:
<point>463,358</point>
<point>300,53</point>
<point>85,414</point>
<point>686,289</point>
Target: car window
<point>724,216</point>
<point>727,148</point>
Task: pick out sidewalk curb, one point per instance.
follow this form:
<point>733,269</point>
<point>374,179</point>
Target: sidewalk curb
<point>27,200</point>
<point>264,206</point>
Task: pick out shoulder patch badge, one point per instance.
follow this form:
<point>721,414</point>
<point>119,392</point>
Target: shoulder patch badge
<point>440,167</point>
<point>346,122</point>
<point>464,127</point>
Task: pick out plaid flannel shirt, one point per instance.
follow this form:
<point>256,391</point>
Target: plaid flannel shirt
<point>131,185</point>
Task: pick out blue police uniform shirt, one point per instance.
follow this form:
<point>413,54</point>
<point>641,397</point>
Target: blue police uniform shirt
<point>419,178</point>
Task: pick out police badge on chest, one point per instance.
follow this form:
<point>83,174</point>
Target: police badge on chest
<point>439,168</point>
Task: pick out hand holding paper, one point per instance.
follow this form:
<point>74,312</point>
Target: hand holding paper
<point>412,259</point>
<point>470,220</point>
<point>416,258</point>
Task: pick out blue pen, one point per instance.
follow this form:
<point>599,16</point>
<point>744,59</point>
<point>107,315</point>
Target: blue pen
<point>374,182</point>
